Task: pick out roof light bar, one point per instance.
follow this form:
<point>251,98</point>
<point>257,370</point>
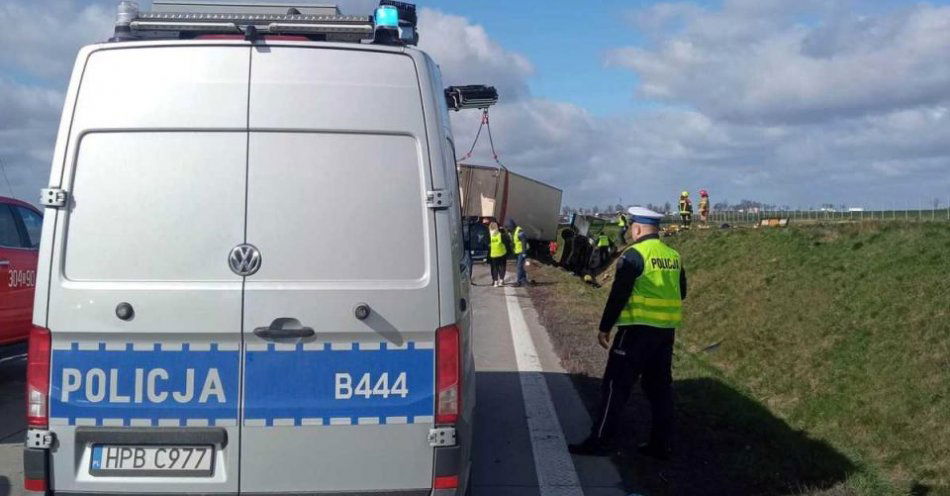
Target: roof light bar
<point>471,97</point>
<point>394,22</point>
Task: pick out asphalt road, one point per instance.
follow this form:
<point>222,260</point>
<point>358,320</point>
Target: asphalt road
<point>527,409</point>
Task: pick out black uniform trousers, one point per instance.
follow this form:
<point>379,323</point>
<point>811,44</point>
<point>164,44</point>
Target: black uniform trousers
<point>499,267</point>
<point>638,352</point>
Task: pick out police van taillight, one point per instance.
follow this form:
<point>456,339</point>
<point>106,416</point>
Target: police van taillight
<point>37,377</point>
<point>448,375</point>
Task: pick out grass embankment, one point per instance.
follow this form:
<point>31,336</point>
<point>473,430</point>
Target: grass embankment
<point>812,360</point>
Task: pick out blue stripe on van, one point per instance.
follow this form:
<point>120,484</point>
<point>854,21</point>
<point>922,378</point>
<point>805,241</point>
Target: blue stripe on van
<point>102,387</point>
<point>326,384</point>
<point>153,385</point>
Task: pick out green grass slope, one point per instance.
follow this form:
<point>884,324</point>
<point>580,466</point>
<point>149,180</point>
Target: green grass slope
<point>842,331</point>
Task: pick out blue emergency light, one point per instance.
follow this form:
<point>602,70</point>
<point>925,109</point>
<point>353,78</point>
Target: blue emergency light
<point>395,23</point>
<point>387,16</point>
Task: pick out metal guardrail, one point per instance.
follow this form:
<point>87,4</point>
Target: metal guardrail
<point>755,217</point>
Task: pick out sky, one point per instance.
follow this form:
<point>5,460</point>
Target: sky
<point>787,102</point>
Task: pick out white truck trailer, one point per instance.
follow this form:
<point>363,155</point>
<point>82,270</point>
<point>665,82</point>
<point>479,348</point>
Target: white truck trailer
<point>500,194</point>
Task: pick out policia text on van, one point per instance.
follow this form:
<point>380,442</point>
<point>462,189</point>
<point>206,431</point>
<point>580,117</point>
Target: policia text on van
<point>195,329</point>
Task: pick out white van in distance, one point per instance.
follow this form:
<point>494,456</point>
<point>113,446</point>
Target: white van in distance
<point>251,275</point>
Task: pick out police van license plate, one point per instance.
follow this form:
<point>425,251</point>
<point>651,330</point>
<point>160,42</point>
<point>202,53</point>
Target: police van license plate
<point>177,461</point>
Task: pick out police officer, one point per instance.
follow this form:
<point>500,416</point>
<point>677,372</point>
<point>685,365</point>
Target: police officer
<point>645,303</point>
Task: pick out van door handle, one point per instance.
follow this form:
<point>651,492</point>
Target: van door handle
<point>4,263</point>
<point>282,328</point>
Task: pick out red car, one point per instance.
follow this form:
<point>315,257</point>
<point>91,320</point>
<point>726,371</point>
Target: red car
<point>20,226</point>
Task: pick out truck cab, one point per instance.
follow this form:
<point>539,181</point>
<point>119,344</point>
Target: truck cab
<point>252,273</point>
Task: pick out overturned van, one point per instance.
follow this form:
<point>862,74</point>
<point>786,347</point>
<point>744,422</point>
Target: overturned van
<point>251,274</point>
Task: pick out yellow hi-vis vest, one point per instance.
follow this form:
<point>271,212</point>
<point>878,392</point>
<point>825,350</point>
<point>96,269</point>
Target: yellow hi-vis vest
<point>622,221</point>
<point>516,241</point>
<point>655,300</point>
<point>497,246</point>
<point>603,241</point>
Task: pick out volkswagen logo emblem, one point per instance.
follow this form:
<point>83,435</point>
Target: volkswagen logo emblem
<point>244,260</point>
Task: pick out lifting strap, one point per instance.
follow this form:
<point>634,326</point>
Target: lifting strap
<point>486,124</point>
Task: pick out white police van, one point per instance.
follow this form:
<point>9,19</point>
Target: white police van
<point>251,277</point>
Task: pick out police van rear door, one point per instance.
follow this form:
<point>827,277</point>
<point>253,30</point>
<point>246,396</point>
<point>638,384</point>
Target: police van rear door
<point>340,318</point>
<point>144,311</point>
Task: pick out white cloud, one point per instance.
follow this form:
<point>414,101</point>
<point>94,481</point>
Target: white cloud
<point>28,119</point>
<point>760,64</point>
<point>46,35</point>
<point>468,55</point>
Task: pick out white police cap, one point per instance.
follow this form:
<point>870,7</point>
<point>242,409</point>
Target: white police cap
<point>640,215</point>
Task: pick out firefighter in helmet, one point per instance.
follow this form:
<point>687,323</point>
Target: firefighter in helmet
<point>686,209</point>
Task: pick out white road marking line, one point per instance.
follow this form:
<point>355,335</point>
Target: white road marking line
<point>554,467</point>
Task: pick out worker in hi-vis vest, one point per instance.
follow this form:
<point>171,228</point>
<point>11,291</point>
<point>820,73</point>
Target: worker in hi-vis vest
<point>622,224</point>
<point>519,244</point>
<point>603,248</point>
<point>646,306</point>
<point>497,255</point>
